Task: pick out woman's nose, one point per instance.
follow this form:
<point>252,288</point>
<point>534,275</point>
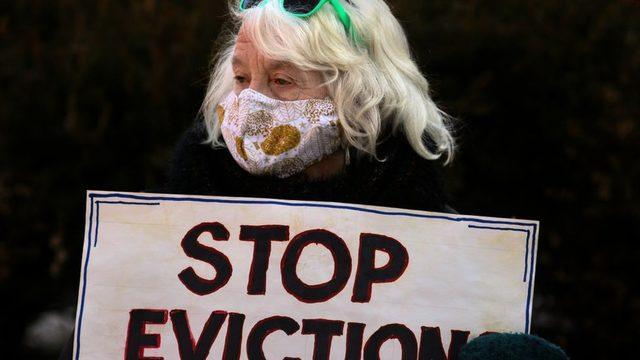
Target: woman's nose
<point>260,83</point>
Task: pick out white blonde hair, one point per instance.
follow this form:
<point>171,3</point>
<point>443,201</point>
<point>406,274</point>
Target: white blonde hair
<point>371,76</point>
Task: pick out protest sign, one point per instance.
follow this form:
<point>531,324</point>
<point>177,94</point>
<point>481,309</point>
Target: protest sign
<point>196,277</point>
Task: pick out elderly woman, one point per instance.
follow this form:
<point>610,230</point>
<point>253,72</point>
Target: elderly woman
<point>321,100</point>
<point>317,100</point>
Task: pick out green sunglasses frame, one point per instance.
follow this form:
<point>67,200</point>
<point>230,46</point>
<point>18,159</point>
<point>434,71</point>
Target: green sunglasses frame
<point>340,10</point>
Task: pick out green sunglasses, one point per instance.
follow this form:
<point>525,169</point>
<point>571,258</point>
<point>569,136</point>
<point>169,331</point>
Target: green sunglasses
<point>305,9</point>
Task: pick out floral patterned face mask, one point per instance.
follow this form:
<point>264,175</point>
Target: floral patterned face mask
<point>279,138</point>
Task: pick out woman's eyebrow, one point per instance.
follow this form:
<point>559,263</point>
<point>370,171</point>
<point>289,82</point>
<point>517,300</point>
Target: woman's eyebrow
<point>273,65</point>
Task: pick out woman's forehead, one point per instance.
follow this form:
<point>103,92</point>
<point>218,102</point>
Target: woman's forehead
<point>243,34</point>
<point>246,53</point>
<point>245,58</point>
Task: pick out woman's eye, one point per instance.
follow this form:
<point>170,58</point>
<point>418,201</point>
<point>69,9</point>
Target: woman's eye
<point>282,82</point>
<point>239,79</point>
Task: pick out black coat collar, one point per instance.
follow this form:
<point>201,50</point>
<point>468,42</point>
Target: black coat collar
<point>404,180</point>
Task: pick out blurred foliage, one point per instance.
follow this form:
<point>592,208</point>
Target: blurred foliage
<point>94,95</point>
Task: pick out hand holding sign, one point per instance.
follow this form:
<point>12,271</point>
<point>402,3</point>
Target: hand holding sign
<point>203,277</point>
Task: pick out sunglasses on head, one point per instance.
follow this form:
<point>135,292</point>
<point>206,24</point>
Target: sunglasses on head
<point>305,8</point>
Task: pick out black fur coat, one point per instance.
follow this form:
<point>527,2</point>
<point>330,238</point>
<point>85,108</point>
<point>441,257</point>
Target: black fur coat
<point>404,180</point>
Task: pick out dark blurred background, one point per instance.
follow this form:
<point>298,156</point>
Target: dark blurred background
<point>95,93</point>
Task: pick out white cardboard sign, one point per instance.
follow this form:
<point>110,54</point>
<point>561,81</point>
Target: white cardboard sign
<point>196,277</point>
